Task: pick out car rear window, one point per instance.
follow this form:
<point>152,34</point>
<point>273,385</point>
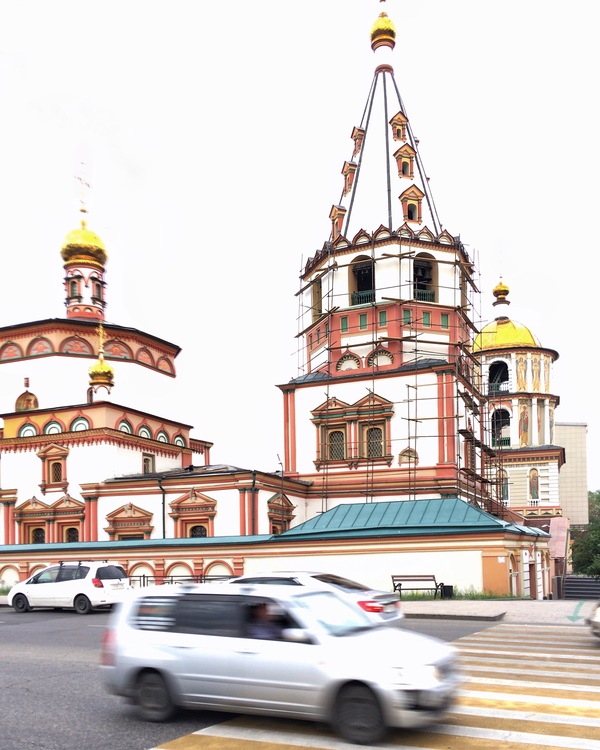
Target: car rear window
<point>110,571</point>
<point>341,583</point>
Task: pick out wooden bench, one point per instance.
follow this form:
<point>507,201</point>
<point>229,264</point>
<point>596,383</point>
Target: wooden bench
<point>417,583</point>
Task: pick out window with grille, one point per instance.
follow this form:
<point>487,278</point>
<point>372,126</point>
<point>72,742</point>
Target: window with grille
<point>72,535</point>
<point>336,445</point>
<point>56,473</point>
<point>38,536</point>
<point>198,531</point>
<point>374,442</point>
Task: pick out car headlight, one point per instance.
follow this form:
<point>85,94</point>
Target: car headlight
<point>421,675</point>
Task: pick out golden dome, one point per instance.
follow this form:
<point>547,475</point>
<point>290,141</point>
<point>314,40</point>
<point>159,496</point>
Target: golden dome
<point>83,244</point>
<point>26,401</point>
<point>383,33</point>
<point>102,373</point>
<point>500,292</point>
<point>504,333</point>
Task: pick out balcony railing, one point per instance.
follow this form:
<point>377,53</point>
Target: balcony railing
<point>363,298</point>
<point>503,442</point>
<point>425,295</point>
<point>498,388</point>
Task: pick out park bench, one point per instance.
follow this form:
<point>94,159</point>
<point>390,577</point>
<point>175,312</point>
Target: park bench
<point>417,583</point>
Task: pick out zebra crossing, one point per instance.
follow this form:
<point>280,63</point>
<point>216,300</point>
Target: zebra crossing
<point>524,687</point>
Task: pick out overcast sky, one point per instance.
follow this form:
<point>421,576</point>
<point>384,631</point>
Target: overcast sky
<point>214,135</point>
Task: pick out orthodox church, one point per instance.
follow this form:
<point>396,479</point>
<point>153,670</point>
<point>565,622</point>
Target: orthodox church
<point>400,400</point>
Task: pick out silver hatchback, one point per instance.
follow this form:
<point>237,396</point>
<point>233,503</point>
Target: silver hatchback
<point>288,652</point>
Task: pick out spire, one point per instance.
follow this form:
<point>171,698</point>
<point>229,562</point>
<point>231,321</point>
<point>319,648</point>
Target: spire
<point>384,180</point>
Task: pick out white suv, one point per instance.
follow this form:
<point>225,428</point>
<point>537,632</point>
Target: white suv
<point>83,584</point>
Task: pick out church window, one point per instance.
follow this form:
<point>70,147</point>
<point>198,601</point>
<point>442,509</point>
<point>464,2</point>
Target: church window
<point>348,362</point>
<point>412,212</point>
<point>503,486</point>
<point>180,441</point>
<point>336,445</point>
<point>27,430</point>
<point>198,531</point>
<point>56,473</point>
<point>52,428</point>
<point>124,426</point>
<point>38,536</point>
<point>344,324</point>
<point>71,535</point>
<point>380,358</point>
<point>98,290</point>
<point>372,444</point>
<point>362,281</point>
<point>317,299</point>
<point>148,463</point>
<point>444,320</point>
<point>79,424</point>
<point>382,317</point>
<point>426,319</point>
<point>362,321</point>
<point>423,279</point>
<point>162,437</point>
<point>498,378</point>
<point>408,457</point>
<point>73,289</point>
<point>406,316</point>
<point>500,428</point>
<point>145,432</point>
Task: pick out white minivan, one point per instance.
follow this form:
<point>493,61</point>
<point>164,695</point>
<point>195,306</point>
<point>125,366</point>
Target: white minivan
<point>83,585</point>
<point>279,650</point>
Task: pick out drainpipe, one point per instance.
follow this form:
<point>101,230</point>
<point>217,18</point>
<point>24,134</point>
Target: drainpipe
<point>162,489</point>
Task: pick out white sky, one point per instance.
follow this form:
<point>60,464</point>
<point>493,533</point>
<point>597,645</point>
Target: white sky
<point>214,135</point>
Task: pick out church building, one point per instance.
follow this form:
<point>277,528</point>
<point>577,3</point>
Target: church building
<point>411,438</point>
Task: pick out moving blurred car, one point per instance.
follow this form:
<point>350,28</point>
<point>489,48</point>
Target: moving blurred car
<point>191,646</point>
<point>594,620</point>
<point>83,585</point>
<point>379,606</point>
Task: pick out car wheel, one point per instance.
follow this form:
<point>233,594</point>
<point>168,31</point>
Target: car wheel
<point>153,698</point>
<point>20,603</point>
<point>358,716</point>
<point>82,605</point>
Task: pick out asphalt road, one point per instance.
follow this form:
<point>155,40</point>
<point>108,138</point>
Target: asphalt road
<point>52,696</point>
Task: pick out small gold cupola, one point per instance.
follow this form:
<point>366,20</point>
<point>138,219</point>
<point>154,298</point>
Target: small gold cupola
<point>101,373</point>
<point>27,401</point>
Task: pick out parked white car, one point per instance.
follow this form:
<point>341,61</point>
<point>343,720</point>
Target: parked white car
<point>379,606</point>
<point>206,646</point>
<point>83,585</point>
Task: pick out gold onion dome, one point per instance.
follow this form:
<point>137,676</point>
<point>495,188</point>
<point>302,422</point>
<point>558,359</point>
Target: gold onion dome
<point>383,33</point>
<point>83,244</point>
<point>101,373</point>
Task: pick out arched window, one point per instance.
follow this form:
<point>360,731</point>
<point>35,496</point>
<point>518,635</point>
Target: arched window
<point>98,290</point>
<point>73,290</point>
<point>79,424</point>
<point>503,486</point>
<point>180,441</point>
<point>408,457</point>
<point>162,437</point>
<point>405,168</point>
<point>38,536</point>
<point>198,531</point>
<point>145,432</point>
<point>336,445</point>
<point>413,214</point>
<point>52,428</point>
<point>148,464</point>
<point>124,426</point>
<point>423,279</point>
<point>27,430</point>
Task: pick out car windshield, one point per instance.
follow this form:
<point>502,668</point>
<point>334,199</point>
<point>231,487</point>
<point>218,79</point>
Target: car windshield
<point>329,613</point>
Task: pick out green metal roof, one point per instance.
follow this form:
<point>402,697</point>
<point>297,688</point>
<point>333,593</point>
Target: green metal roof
<point>403,518</point>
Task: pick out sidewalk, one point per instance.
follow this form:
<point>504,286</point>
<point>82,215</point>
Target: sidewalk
<point>531,611</point>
